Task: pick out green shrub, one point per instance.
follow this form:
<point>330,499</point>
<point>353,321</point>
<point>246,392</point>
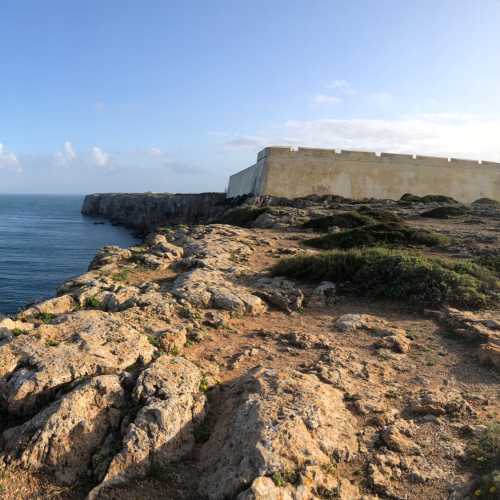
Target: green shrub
<point>379,215</point>
<point>445,212</point>
<point>407,276</point>
<point>342,219</point>
<point>483,455</point>
<point>121,275</point>
<point>390,233</point>
<point>45,317</point>
<point>429,198</point>
<point>490,262</point>
<point>242,217</point>
<point>93,303</point>
<point>19,331</point>
<point>487,201</point>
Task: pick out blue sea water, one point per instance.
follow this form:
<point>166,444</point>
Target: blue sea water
<point>44,240</point>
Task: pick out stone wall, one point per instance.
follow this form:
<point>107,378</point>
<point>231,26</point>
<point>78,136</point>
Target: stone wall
<point>145,211</point>
<point>291,173</point>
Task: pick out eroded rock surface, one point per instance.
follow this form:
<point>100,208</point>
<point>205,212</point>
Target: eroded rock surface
<point>272,422</point>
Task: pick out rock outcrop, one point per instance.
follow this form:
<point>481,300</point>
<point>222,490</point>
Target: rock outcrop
<point>273,421</point>
<point>147,211</point>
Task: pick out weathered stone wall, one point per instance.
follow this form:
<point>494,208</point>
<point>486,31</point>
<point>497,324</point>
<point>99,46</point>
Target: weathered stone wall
<point>293,173</point>
<point>145,211</point>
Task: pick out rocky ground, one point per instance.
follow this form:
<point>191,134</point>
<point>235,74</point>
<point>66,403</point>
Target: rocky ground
<point>184,369</point>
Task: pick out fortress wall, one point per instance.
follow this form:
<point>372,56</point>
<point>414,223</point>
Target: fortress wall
<point>250,180</point>
<point>358,174</point>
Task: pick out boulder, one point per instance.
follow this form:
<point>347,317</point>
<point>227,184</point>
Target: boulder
<point>89,343</point>
<point>55,306</point>
<point>323,295</point>
<point>109,255</point>
<point>63,438</point>
<point>170,407</point>
<point>281,293</point>
<point>274,422</point>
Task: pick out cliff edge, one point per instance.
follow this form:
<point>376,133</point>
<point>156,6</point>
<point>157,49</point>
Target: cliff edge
<point>145,211</point>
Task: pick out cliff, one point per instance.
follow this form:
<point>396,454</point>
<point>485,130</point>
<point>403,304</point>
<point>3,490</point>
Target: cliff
<point>145,211</point>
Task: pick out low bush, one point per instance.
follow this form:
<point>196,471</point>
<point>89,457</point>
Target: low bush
<point>380,215</point>
<point>242,217</point>
<point>380,272</point>
<point>490,262</point>
<point>342,219</point>
<point>445,212</point>
<point>486,201</point>
<point>384,233</point>
<point>429,198</point>
<point>93,303</point>
<point>483,455</point>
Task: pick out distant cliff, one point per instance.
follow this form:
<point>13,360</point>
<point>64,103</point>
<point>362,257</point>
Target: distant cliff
<point>145,211</point>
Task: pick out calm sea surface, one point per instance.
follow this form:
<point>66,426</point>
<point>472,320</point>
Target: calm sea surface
<point>44,240</point>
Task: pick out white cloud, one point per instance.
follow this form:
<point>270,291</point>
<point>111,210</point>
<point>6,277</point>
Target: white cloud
<point>66,156</point>
<point>342,86</point>
<point>449,135</point>
<point>155,152</point>
<point>245,142</point>
<point>326,99</point>
<point>8,160</point>
<point>69,152</point>
<point>100,157</point>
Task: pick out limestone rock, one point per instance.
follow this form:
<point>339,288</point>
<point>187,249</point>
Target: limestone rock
<point>63,437</point>
<point>274,421</point>
<point>281,293</point>
<point>57,305</point>
<point>397,441</point>
<point>174,339</point>
<point>396,343</point>
<point>90,343</point>
<point>439,403</point>
<point>109,255</point>
<point>171,405</point>
<point>323,295</point>
<point>9,326</point>
<point>207,288</point>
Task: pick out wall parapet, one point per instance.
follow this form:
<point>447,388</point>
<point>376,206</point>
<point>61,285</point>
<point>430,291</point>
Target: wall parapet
<point>360,156</point>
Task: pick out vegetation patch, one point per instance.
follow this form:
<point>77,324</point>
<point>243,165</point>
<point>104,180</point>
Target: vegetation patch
<point>491,262</point>
<point>19,331</point>
<point>380,215</point>
<point>429,198</point>
<point>93,303</point>
<point>121,275</point>
<point>384,233</point>
<point>45,317</point>
<point>350,219</point>
<point>243,217</point>
<point>445,212</point>
<point>486,201</point>
<point>483,454</point>
<point>400,275</point>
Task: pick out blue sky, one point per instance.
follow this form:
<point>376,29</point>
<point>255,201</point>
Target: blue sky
<point>174,96</point>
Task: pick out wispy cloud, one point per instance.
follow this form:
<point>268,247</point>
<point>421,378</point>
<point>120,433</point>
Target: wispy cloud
<point>100,157</point>
<point>341,86</point>
<point>66,156</point>
<point>8,160</point>
<point>444,134</point>
<point>322,99</point>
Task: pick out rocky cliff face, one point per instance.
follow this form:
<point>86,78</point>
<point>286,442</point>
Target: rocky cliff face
<point>145,211</point>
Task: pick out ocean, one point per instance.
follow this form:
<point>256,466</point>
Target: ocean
<point>44,240</point>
